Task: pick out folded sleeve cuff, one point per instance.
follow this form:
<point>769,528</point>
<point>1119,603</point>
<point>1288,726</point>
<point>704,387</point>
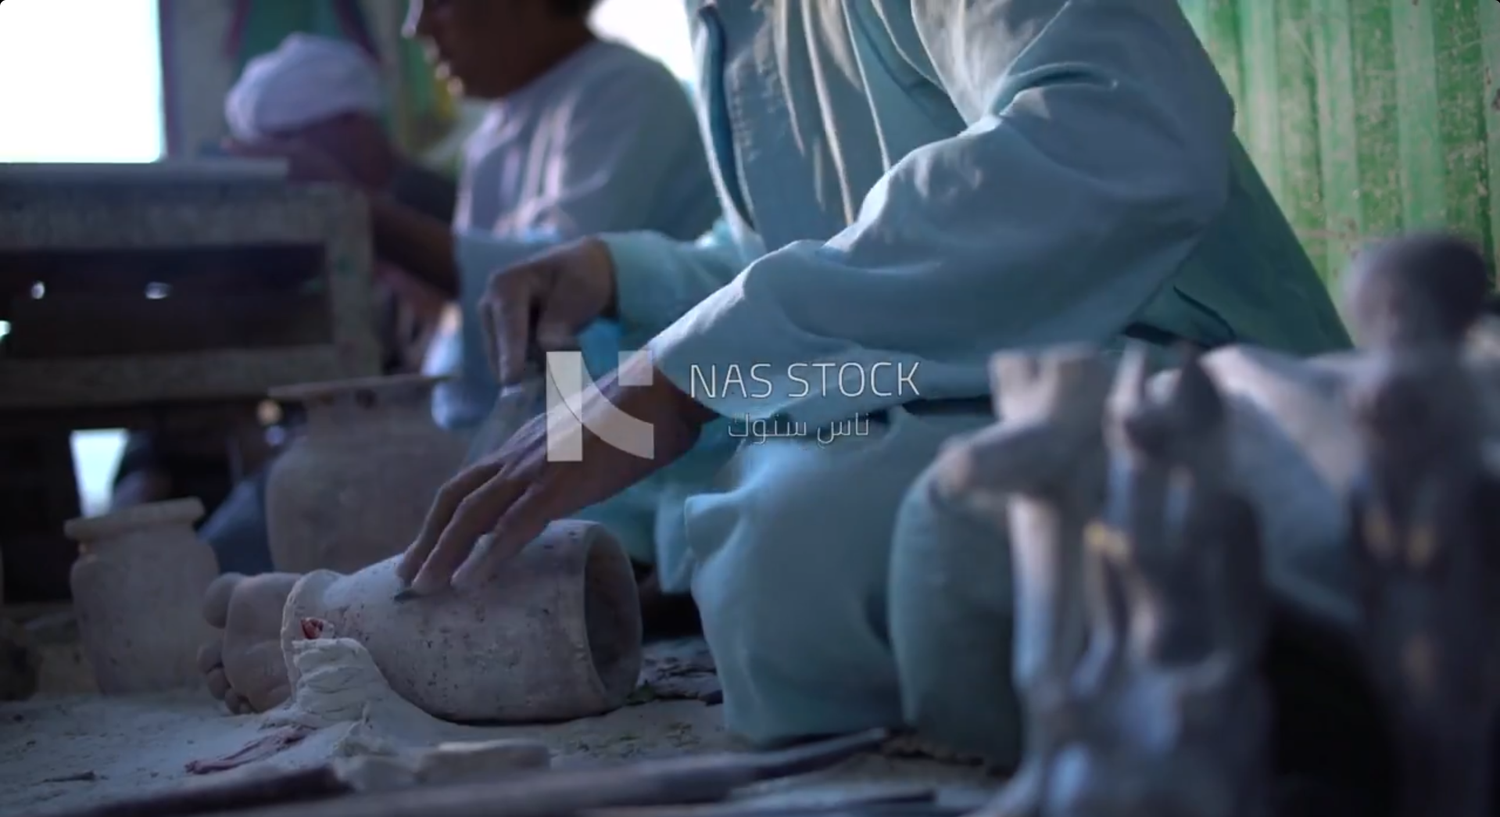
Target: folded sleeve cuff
<point>645,297</point>
<point>785,372</point>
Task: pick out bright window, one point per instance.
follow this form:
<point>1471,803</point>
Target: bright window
<point>655,27</point>
<point>80,81</point>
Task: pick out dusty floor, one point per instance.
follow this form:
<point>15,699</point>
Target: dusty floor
<point>63,750</point>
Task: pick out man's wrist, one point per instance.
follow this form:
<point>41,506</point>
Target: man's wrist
<point>599,257</point>
<point>656,391</point>
<point>694,412</point>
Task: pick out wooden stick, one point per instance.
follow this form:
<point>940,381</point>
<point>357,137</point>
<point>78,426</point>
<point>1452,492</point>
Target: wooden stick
<point>675,781</point>
<point>259,790</point>
<point>762,807</point>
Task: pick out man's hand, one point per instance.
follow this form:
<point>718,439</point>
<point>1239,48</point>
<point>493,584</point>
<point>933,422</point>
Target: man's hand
<point>561,291</point>
<point>306,163</point>
<point>516,491</point>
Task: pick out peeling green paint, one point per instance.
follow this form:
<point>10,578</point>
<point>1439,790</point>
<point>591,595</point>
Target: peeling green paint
<point>1366,117</point>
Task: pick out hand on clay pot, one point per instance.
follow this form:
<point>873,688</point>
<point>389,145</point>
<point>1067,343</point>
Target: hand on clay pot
<point>518,490</point>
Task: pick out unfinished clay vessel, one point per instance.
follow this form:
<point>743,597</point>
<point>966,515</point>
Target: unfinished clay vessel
<point>555,635</point>
<point>137,586</point>
<point>356,486</point>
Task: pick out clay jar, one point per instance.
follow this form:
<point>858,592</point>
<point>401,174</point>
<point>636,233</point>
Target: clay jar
<point>555,635</point>
<point>355,487</point>
<point>137,587</point>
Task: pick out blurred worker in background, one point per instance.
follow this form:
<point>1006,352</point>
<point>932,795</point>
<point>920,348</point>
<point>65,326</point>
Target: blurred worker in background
<point>328,93</point>
<point>581,136</point>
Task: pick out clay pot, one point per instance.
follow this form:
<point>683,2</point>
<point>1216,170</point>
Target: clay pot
<point>355,487</point>
<point>137,588</point>
<point>555,635</point>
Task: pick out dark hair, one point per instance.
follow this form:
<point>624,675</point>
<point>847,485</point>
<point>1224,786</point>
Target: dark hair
<point>573,8</point>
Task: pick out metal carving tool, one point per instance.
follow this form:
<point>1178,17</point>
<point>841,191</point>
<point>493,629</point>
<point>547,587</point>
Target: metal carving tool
<point>514,407</point>
<point>406,594</point>
<point>516,403</point>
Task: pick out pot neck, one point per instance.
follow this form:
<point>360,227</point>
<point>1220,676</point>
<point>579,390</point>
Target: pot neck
<point>152,517</point>
<point>136,540</point>
<point>359,408</point>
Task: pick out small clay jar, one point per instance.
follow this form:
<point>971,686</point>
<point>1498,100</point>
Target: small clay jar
<point>355,487</point>
<point>555,635</point>
<point>137,587</point>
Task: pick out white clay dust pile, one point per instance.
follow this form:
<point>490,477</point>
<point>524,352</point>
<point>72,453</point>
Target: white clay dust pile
<point>64,752</point>
<point>60,752</point>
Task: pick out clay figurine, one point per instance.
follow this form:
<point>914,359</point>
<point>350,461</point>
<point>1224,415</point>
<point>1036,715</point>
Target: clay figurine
<point>555,635</point>
<point>1040,471</point>
<point>1296,447</point>
<point>1166,715</point>
<point>1416,291</point>
<point>1306,399</point>
<point>136,588</point>
<point>1425,525</point>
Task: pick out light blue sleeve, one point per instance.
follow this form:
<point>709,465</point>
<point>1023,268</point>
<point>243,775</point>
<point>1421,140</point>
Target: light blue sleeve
<point>1096,153</point>
<point>658,280</point>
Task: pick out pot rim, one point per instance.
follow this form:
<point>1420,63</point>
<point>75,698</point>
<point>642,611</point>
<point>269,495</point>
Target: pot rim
<point>136,517</point>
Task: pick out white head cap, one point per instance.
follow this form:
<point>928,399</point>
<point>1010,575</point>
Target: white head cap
<point>307,79</point>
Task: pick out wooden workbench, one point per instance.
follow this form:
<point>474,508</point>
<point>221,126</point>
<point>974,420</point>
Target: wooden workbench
<point>154,296</point>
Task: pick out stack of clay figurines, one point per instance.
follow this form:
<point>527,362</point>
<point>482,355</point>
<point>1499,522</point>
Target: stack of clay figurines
<point>1352,502</point>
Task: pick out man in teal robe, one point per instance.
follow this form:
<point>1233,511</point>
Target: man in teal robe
<point>909,186</point>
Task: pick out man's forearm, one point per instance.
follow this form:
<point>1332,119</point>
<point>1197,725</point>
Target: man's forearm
<point>420,245</point>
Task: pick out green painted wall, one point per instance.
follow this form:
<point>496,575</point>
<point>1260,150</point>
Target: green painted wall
<point>1366,117</point>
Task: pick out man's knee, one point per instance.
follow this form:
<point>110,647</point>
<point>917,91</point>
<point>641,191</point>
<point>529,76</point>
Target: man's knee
<point>786,587</point>
<point>790,583</point>
<point>950,623</point>
<point>942,544</point>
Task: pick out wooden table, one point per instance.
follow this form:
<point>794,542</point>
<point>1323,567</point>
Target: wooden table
<point>158,297</point>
